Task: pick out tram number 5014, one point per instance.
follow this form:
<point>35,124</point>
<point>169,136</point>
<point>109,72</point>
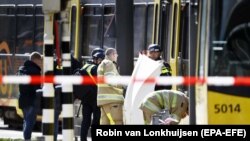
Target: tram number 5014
<point>227,108</point>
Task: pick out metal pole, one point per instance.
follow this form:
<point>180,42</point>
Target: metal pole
<point>48,69</point>
<point>125,35</point>
<point>67,89</point>
<point>193,9</point>
<point>48,88</point>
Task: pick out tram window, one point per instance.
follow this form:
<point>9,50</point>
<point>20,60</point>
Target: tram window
<point>229,49</point>
<point>25,34</point>
<point>7,43</point>
<point>7,9</point>
<point>238,45</point>
<point>140,28</point>
<point>109,27</point>
<point>3,10</point>
<point>25,10</point>
<point>38,10</point>
<point>90,10</point>
<point>7,36</point>
<point>184,32</point>
<point>165,34</point>
<point>39,29</point>
<point>38,35</point>
<point>226,43</point>
<point>109,9</point>
<point>91,28</point>
<point>174,31</point>
<point>150,17</point>
<point>96,32</point>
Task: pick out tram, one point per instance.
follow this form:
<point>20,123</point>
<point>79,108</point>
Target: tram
<point>199,38</point>
<point>204,38</point>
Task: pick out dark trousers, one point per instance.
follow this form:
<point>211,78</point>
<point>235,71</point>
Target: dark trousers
<point>58,110</point>
<point>87,111</point>
<point>29,114</point>
<point>56,125</point>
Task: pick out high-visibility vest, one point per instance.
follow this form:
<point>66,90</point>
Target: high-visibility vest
<point>88,68</point>
<point>165,70</point>
<point>108,93</point>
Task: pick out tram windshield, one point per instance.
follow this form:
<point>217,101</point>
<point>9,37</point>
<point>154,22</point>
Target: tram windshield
<point>229,38</point>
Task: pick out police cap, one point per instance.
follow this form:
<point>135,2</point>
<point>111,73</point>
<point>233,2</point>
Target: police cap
<point>154,47</point>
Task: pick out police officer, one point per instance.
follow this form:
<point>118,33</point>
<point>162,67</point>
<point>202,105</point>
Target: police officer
<point>89,99</point>
<point>110,97</point>
<point>154,52</point>
<point>175,102</point>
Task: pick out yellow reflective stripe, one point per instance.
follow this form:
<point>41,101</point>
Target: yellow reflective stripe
<point>110,97</point>
<point>151,106</point>
<point>118,89</point>
<point>105,86</point>
<point>89,69</point>
<point>102,85</point>
<point>89,72</point>
<point>164,70</point>
<point>85,66</point>
<point>112,122</point>
<point>174,101</point>
<point>159,98</point>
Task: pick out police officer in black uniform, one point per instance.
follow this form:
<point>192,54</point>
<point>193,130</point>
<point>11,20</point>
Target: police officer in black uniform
<point>89,99</point>
<point>154,52</point>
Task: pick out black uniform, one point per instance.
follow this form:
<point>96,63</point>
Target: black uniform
<point>165,71</point>
<point>89,101</point>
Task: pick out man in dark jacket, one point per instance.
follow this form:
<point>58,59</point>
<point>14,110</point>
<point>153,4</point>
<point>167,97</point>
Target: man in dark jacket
<point>27,97</point>
<point>154,52</point>
<point>89,102</point>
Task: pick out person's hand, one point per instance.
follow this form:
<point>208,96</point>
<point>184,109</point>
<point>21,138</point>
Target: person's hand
<point>169,121</point>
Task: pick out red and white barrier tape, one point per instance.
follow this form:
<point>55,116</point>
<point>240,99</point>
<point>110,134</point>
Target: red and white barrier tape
<point>124,80</point>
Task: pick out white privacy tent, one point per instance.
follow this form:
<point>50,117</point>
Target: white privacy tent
<point>137,90</point>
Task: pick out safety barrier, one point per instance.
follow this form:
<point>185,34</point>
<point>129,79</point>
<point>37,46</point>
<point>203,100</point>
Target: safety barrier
<point>125,80</point>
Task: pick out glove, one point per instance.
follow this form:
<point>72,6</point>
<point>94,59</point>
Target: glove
<point>169,121</point>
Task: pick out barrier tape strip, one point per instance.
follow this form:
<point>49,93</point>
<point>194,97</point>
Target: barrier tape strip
<point>125,80</point>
